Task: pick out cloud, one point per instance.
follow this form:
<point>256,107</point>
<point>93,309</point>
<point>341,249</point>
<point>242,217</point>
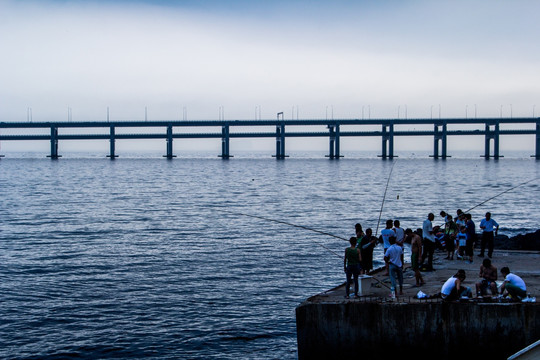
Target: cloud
<point>128,55</point>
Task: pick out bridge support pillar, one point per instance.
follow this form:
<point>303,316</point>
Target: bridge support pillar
<point>440,139</point>
<point>334,142</point>
<point>112,141</point>
<point>492,134</point>
<point>280,138</point>
<point>54,143</point>
<point>537,149</point>
<point>387,141</point>
<point>169,143</point>
<point>225,140</point>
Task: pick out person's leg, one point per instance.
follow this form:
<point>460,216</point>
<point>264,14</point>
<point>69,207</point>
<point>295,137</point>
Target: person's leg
<point>482,245</point>
<point>393,275</point>
<point>356,273</point>
<point>349,280</point>
<point>490,240</point>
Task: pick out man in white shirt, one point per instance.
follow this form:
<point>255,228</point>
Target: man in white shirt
<point>513,284</point>
<point>394,258</point>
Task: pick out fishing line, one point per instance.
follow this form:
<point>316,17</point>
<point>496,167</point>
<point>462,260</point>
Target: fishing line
<point>493,197</point>
<point>294,225</point>
<point>384,197</point>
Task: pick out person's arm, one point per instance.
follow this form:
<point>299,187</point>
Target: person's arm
<point>359,255</point>
<point>496,227</point>
<point>458,285</point>
<point>345,261</point>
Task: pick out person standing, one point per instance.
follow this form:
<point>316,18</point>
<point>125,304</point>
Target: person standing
<point>490,229</point>
<point>400,233</point>
<point>416,254</point>
<point>367,244</point>
<point>394,258</point>
<point>428,242</point>
<point>351,266</point>
<point>471,237</point>
<point>386,234</point>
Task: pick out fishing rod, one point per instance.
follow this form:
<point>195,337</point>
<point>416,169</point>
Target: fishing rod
<point>384,197</point>
<point>291,224</point>
<point>493,197</point>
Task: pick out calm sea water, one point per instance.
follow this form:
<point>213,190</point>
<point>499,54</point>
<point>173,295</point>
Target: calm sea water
<point>136,258</point>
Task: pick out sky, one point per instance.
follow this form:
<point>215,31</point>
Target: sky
<point>243,59</point>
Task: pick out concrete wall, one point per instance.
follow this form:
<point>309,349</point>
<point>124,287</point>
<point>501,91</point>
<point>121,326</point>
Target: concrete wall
<point>438,330</point>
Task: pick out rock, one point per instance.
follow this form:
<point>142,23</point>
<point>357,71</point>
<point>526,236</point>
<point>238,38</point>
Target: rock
<point>529,241</point>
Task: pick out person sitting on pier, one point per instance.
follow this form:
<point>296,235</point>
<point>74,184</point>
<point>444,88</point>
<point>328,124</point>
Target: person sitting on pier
<point>394,259</point>
<point>453,288</point>
<point>513,285</point>
<point>351,265</point>
<point>367,244</point>
<point>488,273</point>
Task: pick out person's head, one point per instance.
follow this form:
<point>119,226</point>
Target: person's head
<point>353,241</point>
<point>369,232</point>
<point>358,227</point>
<point>460,274</point>
<point>431,216</point>
<point>488,215</point>
<point>392,240</point>
<point>505,270</point>
<point>408,232</point>
<point>486,263</point>
<point>468,216</point>
<point>396,223</point>
<point>389,223</point>
<point>463,229</point>
<point>443,214</point>
<point>448,217</point>
<point>459,212</point>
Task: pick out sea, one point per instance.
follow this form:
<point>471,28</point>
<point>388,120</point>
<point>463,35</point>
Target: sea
<point>203,258</point>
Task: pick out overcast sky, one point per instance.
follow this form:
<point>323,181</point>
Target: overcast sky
<point>395,58</point>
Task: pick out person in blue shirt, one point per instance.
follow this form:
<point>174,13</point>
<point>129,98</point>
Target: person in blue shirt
<point>489,231</point>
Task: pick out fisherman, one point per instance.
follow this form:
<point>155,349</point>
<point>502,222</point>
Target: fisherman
<point>453,288</point>
<point>351,266</point>
<point>513,285</point>
<point>367,244</point>
<point>416,254</point>
<point>489,227</point>
<point>488,273</point>
<point>428,242</point>
<point>394,259</point>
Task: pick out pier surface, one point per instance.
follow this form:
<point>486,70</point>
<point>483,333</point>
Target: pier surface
<point>376,326</point>
<point>525,264</point>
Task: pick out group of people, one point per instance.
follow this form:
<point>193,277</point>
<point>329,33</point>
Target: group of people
<point>512,286</point>
<point>457,236</point>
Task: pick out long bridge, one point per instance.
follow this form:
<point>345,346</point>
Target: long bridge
<point>334,130</point>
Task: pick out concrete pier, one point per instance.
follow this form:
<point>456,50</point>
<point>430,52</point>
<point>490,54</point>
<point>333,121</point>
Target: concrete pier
<point>377,327</point>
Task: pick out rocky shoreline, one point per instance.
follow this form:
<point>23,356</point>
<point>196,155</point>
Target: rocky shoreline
<point>529,241</point>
